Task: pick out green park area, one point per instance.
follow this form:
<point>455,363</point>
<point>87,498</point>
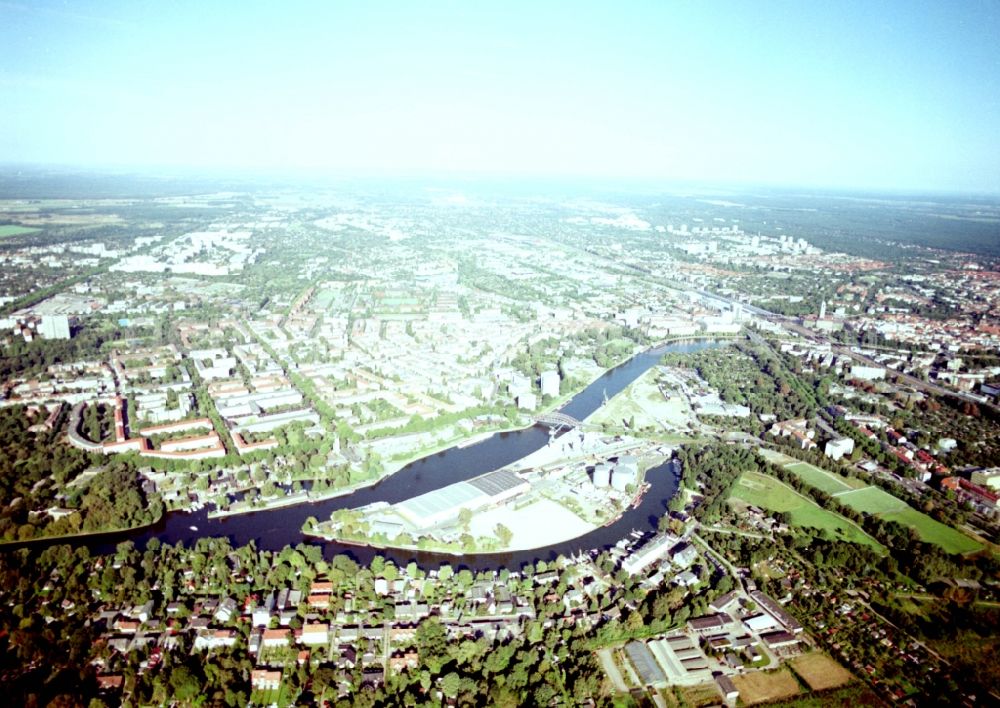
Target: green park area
<point>828,482</point>
<point>14,230</point>
<point>768,493</point>
<point>933,531</point>
<point>867,499</point>
<point>872,500</point>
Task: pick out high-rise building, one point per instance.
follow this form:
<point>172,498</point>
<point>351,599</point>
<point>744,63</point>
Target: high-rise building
<point>549,383</point>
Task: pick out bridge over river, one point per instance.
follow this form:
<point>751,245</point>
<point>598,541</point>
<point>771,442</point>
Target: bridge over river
<point>557,420</point>
<point>273,529</point>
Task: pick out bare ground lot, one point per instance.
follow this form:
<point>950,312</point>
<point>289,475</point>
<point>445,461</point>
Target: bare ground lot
<point>644,404</point>
<point>542,523</point>
<point>761,686</point>
<point>704,694</point>
<point>820,671</point>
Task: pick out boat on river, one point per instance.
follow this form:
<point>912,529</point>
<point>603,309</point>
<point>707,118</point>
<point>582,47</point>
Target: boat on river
<point>642,492</point>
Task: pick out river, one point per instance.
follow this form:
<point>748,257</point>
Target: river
<point>274,529</point>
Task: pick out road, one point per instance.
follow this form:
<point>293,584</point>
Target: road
<point>912,381</point>
<point>791,325</point>
<point>386,643</point>
<point>718,559</point>
<point>608,662</point>
<point>735,532</point>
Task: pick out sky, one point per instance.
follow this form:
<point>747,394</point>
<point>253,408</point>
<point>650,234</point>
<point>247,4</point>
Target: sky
<point>858,95</point>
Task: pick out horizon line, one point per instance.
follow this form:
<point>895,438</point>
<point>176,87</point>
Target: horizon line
<point>173,170</point>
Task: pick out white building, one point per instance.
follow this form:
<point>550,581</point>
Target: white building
<point>602,475</point>
<point>549,382</point>
<point>651,552</point>
<point>835,449</point>
<point>54,327</point>
<point>314,633</point>
<point>519,384</point>
<point>868,373</point>
<point>762,623</point>
<point>212,363</point>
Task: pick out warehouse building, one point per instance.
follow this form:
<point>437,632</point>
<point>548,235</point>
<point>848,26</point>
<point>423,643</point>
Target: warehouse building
<point>444,504</point>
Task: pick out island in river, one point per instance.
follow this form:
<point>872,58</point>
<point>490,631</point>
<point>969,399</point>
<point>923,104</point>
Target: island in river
<point>578,482</point>
<point>273,529</point>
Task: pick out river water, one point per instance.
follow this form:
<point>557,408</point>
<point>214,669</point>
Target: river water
<point>276,528</point>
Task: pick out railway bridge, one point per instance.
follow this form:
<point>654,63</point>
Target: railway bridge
<point>558,420</point>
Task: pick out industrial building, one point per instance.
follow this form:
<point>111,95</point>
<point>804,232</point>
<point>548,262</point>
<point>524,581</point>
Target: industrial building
<point>442,505</point>
<point>54,327</point>
<point>602,474</point>
<point>626,472</point>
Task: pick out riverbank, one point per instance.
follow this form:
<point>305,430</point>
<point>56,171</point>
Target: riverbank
<point>456,442</point>
<point>304,498</point>
<point>559,504</point>
<point>5,545</point>
<point>295,500</point>
<point>465,441</point>
<point>275,529</point>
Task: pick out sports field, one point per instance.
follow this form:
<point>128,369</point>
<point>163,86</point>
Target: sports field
<point>867,499</point>
<point>14,230</point>
<point>768,493</point>
<point>873,500</point>
<point>821,479</point>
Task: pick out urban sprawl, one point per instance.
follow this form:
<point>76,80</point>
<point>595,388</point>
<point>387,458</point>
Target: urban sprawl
<point>830,423</point>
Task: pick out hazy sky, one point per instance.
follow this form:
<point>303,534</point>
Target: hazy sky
<point>891,95</point>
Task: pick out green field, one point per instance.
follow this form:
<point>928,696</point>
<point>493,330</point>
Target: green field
<point>873,500</point>
<point>776,457</point>
<point>768,493</point>
<point>821,479</point>
<point>324,298</point>
<point>14,230</point>
<point>933,531</point>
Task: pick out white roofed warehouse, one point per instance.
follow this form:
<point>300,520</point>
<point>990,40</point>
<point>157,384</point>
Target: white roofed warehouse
<point>443,505</point>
